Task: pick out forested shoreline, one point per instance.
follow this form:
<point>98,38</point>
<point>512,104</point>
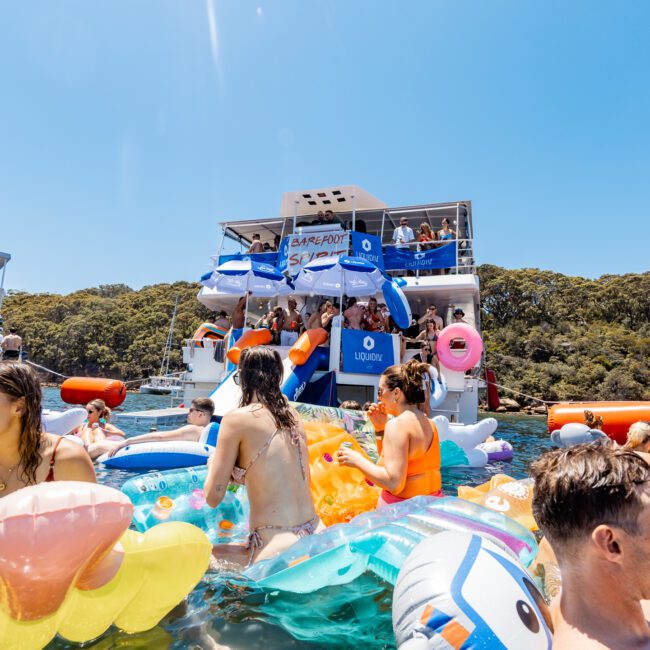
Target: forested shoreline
<point>546,334</point>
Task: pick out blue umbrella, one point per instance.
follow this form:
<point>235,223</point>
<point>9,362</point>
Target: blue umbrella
<point>244,277</point>
<point>338,275</point>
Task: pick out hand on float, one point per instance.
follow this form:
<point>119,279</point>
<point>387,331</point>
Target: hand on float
<point>377,416</point>
<point>115,449</point>
<point>348,457</point>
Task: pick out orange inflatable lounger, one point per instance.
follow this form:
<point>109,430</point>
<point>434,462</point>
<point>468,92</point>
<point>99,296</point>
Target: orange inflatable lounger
<point>340,493</point>
<point>617,416</point>
<point>81,390</point>
<point>248,340</point>
<point>308,341</point>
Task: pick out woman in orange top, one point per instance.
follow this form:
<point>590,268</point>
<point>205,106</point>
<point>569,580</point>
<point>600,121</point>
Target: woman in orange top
<point>410,459</point>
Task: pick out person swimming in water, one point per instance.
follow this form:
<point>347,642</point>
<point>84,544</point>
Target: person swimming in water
<point>410,458</point>
<point>262,445</point>
<point>28,455</point>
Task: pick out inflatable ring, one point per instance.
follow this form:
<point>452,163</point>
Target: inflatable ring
<point>438,388</point>
<point>472,352</point>
<point>397,304</point>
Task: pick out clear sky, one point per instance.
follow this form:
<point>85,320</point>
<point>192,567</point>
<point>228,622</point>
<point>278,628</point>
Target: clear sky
<point>129,129</point>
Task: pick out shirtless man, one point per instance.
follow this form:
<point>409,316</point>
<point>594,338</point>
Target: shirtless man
<point>198,417</point>
<point>354,314</point>
<point>11,345</point>
<point>238,314</point>
<point>592,504</point>
<point>316,319</point>
<point>292,324</point>
<point>256,245</point>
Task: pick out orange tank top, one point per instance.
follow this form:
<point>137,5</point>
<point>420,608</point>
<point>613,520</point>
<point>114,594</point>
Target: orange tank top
<point>423,473</point>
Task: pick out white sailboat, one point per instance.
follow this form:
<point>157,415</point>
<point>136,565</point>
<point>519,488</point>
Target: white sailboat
<point>165,383</point>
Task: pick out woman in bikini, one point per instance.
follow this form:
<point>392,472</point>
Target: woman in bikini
<point>27,454</point>
<point>262,445</point>
<point>409,465</point>
<point>97,426</point>
<point>375,321</point>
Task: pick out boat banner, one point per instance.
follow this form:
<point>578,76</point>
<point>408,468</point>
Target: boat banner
<point>404,260</point>
<point>368,247</point>
<point>297,250</point>
<point>266,258</point>
<point>366,352</point>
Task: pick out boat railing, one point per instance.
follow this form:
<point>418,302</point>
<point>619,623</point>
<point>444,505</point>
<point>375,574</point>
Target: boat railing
<point>217,348</point>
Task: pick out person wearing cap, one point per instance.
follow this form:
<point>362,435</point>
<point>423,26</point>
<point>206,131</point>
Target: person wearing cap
<point>459,316</point>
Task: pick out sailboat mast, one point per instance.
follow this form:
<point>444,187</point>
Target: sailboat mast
<point>164,366</point>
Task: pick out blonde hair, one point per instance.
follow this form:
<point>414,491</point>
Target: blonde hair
<point>638,434</point>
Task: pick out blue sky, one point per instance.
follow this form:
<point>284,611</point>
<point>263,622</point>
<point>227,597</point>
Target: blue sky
<point>129,129</point>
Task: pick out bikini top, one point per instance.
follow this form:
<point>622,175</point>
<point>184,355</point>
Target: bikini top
<point>238,474</point>
<point>446,236</point>
<point>50,475</point>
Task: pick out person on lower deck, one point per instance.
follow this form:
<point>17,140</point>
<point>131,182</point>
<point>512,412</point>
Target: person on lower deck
<point>198,417</point>
<point>28,455</point>
<point>292,323</point>
<point>409,465</point>
<point>592,502</point>
<point>262,445</point>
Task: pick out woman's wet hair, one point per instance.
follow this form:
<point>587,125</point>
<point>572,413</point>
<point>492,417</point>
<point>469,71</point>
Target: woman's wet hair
<point>637,435</point>
<point>411,378</point>
<point>19,382</point>
<point>100,406</point>
<point>260,375</point>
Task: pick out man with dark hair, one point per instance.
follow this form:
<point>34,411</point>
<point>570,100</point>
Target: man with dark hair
<point>591,502</point>
<point>256,245</point>
<point>198,417</point>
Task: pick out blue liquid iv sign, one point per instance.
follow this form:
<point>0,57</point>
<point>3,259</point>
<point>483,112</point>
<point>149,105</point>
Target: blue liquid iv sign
<point>368,247</point>
<point>367,353</point>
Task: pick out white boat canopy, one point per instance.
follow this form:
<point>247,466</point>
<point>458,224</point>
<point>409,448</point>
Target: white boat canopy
<point>4,258</point>
<point>344,198</point>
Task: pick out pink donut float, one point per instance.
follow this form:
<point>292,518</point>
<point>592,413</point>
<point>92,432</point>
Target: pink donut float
<point>469,356</point>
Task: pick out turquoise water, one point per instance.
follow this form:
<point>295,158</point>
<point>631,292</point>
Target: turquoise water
<point>219,615</point>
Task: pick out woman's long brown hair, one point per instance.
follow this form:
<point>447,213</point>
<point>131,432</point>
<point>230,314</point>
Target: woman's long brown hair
<point>410,377</point>
<point>260,375</point>
<point>19,381</point>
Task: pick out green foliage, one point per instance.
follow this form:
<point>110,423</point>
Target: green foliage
<point>546,334</point>
<point>110,331</point>
<point>564,338</point>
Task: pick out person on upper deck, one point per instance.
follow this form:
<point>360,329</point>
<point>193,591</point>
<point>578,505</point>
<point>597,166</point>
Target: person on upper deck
<point>459,316</point>
<point>262,445</point>
<point>427,236</point>
<point>28,455</point>
<point>409,465</point>
<point>256,245</point>
<point>354,315</point>
<point>292,323</point>
<point>446,234</point>
<point>403,234</point>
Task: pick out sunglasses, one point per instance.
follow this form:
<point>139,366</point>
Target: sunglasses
<point>193,410</point>
<point>90,411</point>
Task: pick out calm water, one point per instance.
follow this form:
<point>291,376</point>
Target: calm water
<point>213,617</point>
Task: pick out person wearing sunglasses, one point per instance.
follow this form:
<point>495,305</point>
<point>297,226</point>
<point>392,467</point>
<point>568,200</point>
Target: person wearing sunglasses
<point>97,426</point>
<point>29,455</point>
<point>198,417</point>
<point>262,445</point>
<point>403,234</point>
<point>409,464</point>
